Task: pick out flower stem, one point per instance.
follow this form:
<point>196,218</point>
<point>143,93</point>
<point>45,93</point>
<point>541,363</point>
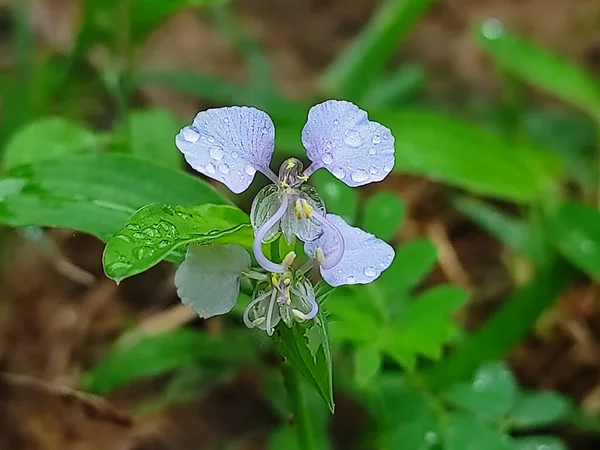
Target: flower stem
<point>301,417</point>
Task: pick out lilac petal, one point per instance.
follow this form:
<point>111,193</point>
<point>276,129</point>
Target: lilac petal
<point>339,137</point>
<point>365,256</point>
<point>229,144</point>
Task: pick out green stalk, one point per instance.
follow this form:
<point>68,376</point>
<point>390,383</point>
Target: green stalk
<point>301,418</point>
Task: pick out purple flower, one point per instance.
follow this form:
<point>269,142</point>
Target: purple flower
<point>231,144</point>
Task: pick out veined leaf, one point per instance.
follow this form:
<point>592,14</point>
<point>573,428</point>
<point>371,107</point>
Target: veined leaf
<point>156,230</point>
<point>95,193</point>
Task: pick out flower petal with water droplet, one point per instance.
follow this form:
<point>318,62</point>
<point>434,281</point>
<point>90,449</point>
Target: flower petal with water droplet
<point>340,137</point>
<point>208,281</point>
<point>237,140</point>
<point>364,258</point>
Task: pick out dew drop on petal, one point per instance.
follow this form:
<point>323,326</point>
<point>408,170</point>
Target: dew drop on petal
<point>327,158</point>
<point>234,155</point>
<point>328,144</point>
<point>350,279</point>
<point>359,175</point>
<point>372,151</point>
<point>249,169</point>
<point>216,152</point>
<point>211,139</point>
<point>190,134</point>
<point>373,170</point>
<point>224,168</point>
<point>335,122</point>
<point>388,168</point>
<point>226,119</point>
<point>210,168</point>
<point>370,272</point>
<point>338,172</point>
<point>376,139</point>
<point>353,139</point>
<point>264,130</point>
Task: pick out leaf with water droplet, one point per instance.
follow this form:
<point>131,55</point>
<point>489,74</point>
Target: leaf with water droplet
<point>492,393</point>
<point>165,229</point>
<point>538,409</point>
<point>539,443</point>
<point>464,432</point>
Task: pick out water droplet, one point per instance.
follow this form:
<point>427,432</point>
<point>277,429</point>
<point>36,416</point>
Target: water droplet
<point>353,139</point>
<point>203,137</point>
<point>239,172</point>
<point>373,170</point>
<point>210,168</point>
<point>327,158</point>
<point>431,437</point>
<point>168,228</point>
<point>224,168</point>
<point>587,246</point>
<point>138,235</point>
<point>264,130</point>
<point>370,272</point>
<point>118,267</point>
<point>234,155</point>
<point>335,122</point>
<point>163,244</point>
<point>132,226</point>
<point>338,172</point>
<point>350,279</point>
<point>492,29</point>
<point>123,238</point>
<point>372,151</point>
<point>211,139</point>
<point>151,232</point>
<point>216,152</point>
<point>143,252</point>
<point>190,134</point>
<point>226,119</point>
<point>376,139</point>
<point>387,168</point>
<point>249,169</point>
<point>359,176</point>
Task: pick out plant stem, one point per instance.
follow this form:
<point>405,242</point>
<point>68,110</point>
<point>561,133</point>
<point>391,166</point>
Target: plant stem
<point>301,417</point>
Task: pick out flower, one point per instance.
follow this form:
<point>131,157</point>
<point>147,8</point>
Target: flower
<point>231,144</point>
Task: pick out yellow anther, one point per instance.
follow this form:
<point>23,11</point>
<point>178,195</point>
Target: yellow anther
<point>320,255</point>
<point>290,163</point>
<point>299,209</point>
<point>307,209</point>
<point>303,177</point>
<point>284,184</point>
<point>274,280</point>
<point>287,281</point>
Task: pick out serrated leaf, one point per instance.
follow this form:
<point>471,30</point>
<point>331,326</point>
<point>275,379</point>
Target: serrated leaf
<point>465,432</point>
<point>150,136</point>
<point>306,347</point>
<point>158,354</point>
<point>367,364</point>
<point>95,193</point>
<point>339,198</point>
<point>491,394</point>
<point>538,409</point>
<point>464,155</point>
<point>48,138</point>
<point>156,230</point>
<point>424,326</point>
<point>576,234</point>
<point>540,67</point>
<point>539,443</point>
<point>382,215</point>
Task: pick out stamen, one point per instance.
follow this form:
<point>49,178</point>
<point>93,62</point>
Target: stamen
<point>289,259</point>
<point>299,315</point>
<point>246,317</point>
<point>314,307</point>
<point>307,209</point>
<point>303,177</point>
<point>290,163</point>
<point>319,255</point>
<point>299,209</point>
<point>270,328</point>
<point>264,262</point>
<point>334,258</point>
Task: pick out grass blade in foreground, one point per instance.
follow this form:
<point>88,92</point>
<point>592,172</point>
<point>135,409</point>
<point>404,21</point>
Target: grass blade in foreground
<point>95,194</point>
<point>540,67</point>
<point>156,230</point>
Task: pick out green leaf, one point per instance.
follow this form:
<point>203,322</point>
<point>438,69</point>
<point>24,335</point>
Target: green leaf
<point>576,234</point>
<point>396,88</point>
<point>155,355</point>
<point>539,443</point>
<point>492,393</point>
<point>415,434</point>
<point>156,230</point>
<point>284,438</point>
<point>465,432</point>
<point>540,67</point>
<point>511,231</point>
<point>383,213</point>
<point>95,193</point>
<point>424,325</point>
<point>151,136</point>
<point>352,74</point>
<point>412,263</point>
<point>538,409</point>
<point>339,198</point>
<point>461,154</point>
<point>306,347</point>
<point>367,364</point>
<point>48,138</point>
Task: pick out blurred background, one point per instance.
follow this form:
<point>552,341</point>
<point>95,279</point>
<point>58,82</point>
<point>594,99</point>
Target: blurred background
<point>495,107</point>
